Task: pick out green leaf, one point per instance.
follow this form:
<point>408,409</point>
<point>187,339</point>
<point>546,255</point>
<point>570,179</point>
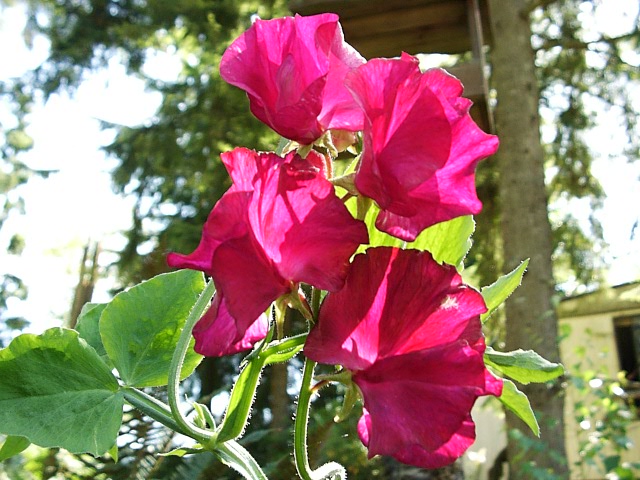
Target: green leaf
<point>113,452</point>
<point>56,391</point>
<point>518,403</point>
<point>140,327</point>
<point>449,242</point>
<point>524,366</point>
<point>88,326</point>
<point>13,445</point>
<point>499,291</point>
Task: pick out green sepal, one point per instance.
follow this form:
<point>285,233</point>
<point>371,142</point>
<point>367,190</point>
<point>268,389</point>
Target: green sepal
<point>140,327</point>
<point>203,418</point>
<point>351,397</point>
<point>518,403</point>
<point>57,392</point>
<point>524,366</point>
<point>501,289</point>
<point>283,356</point>
<point>13,445</point>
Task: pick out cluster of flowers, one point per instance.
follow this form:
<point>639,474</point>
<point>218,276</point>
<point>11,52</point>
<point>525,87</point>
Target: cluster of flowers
<point>405,327</point>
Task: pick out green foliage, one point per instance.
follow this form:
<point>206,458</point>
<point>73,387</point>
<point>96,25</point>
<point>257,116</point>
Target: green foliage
<point>448,242</point>
<point>518,403</point>
<point>75,395</point>
<point>603,415</point>
<point>523,366</point>
<point>140,327</point>
<point>540,448</point>
<point>13,445</point>
<point>88,327</point>
<point>496,293</point>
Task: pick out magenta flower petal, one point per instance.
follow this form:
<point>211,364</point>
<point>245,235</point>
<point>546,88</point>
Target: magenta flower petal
<point>421,146</point>
<point>217,333</point>
<point>293,71</point>
<point>416,454</point>
<point>402,394</point>
<point>279,224</point>
<point>303,226</point>
<point>409,331</point>
<point>408,293</point>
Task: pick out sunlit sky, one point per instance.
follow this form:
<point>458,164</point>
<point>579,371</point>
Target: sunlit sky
<point>77,204</point>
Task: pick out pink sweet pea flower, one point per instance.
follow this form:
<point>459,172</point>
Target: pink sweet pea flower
<point>409,331</point>
<point>279,224</point>
<point>421,146</point>
<point>293,71</point>
<point>217,333</point>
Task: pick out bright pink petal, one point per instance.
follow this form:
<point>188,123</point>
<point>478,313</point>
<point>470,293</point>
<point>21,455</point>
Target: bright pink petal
<point>409,330</point>
<point>417,455</point>
<point>418,404</point>
<point>293,69</point>
<point>279,224</point>
<point>227,220</point>
<point>217,333</point>
<point>303,226</point>
<point>405,292</point>
<point>247,278</point>
<point>420,145</point>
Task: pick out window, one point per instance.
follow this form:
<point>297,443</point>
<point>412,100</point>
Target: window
<point>627,333</point>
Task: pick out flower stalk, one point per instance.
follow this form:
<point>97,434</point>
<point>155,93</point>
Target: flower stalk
<point>175,367</point>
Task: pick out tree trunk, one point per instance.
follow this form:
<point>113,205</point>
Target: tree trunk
<point>531,319</point>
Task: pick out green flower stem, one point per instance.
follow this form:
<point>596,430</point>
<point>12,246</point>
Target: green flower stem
<point>244,390</point>
<point>300,455</point>
<point>199,434</point>
<point>329,470</point>
<point>315,302</point>
<point>152,407</point>
<point>301,421</point>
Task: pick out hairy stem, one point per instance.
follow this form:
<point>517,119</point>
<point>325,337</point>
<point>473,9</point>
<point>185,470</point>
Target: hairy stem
<point>177,362</point>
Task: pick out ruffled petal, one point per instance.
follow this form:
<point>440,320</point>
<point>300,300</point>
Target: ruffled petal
<point>217,333</point>
<point>421,146</point>
<point>279,224</point>
<point>303,226</point>
<point>394,301</point>
<point>417,405</point>
<point>293,70</point>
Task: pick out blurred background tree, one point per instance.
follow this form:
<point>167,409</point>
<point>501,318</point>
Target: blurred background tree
<point>170,164</point>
